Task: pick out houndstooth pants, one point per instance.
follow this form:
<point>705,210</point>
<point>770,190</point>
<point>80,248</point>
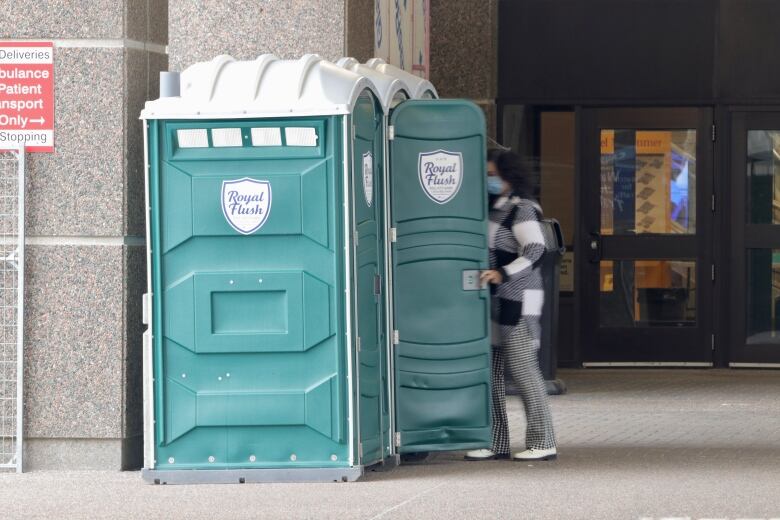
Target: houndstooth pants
<point>518,354</point>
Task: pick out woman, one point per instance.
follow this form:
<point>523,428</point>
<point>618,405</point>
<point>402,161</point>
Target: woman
<point>516,247</point>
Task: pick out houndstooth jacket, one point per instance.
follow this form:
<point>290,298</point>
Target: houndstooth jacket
<point>517,245</point>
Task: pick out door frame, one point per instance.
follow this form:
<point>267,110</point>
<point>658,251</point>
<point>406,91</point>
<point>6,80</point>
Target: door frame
<point>745,235</point>
<point>589,122</point>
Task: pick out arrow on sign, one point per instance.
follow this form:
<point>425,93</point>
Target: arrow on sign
<point>40,120</point>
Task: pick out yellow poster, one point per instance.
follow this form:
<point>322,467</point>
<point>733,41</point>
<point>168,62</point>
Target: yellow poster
<point>653,142</point>
<point>607,142</point>
<point>647,142</point>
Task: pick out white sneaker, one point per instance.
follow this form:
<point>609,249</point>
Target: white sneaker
<point>532,455</point>
<point>484,454</point>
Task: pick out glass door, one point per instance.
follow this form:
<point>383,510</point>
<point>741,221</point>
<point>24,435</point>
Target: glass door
<point>646,261</point>
<point>755,252</point>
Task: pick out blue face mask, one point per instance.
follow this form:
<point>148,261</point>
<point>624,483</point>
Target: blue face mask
<point>495,186</point>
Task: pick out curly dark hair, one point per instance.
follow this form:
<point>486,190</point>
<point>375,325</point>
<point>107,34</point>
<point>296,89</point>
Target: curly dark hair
<point>515,171</point>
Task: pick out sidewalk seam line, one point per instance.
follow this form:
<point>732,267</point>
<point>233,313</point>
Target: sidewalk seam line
<point>408,500</point>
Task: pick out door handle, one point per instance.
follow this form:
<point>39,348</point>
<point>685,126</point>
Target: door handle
<point>471,280</point>
<point>594,248</point>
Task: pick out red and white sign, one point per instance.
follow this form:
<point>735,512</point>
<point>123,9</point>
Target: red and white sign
<point>27,96</point>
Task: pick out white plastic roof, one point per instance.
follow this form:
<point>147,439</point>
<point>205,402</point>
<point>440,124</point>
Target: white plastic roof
<point>389,87</point>
<point>265,87</point>
<point>421,87</point>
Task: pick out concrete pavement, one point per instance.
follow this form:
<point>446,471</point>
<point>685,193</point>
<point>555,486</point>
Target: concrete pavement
<point>634,444</point>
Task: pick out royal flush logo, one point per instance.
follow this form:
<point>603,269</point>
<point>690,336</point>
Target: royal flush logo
<point>368,177</point>
<point>441,173</point>
<point>246,204</point>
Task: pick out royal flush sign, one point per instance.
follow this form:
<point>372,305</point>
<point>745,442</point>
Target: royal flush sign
<point>441,174</point>
<point>246,204</point>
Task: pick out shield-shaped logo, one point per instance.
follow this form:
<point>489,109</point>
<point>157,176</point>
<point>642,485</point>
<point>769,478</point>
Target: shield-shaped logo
<point>368,177</point>
<point>441,173</point>
<point>246,204</point>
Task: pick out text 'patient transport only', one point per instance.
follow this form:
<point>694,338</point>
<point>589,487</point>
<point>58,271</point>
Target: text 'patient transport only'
<point>27,96</point>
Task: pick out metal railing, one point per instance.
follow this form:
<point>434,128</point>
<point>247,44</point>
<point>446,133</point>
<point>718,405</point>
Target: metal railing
<point>11,308</point>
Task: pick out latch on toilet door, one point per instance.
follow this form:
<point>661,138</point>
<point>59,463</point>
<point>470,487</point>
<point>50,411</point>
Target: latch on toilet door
<point>471,280</point>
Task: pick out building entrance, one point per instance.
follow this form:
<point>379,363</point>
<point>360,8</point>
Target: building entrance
<point>645,235</point>
<point>755,248</point>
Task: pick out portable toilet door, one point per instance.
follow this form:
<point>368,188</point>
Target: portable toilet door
<point>392,91</point>
<point>441,336</point>
<point>367,193</point>
<point>263,247</point>
<point>437,243</point>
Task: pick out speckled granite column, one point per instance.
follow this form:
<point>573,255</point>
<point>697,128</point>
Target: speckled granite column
<point>464,52</point>
<point>360,29</point>
<point>245,29</point>
<point>85,261</point>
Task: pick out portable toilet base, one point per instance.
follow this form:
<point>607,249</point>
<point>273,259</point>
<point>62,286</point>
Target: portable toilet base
<point>237,476</point>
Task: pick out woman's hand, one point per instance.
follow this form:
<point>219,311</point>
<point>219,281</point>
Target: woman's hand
<point>491,276</point>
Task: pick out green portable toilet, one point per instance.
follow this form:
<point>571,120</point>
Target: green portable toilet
<point>391,92</point>
<point>266,249</point>
<point>437,243</point>
<point>275,350</point>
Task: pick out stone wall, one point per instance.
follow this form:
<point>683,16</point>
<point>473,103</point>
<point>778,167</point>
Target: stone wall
<point>360,30</point>
<point>85,227</point>
<point>245,29</point>
<point>464,52</point>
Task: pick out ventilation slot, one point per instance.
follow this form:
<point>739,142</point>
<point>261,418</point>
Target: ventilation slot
<point>222,137</point>
<point>266,137</point>
<point>300,136</point>
<point>192,138</point>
